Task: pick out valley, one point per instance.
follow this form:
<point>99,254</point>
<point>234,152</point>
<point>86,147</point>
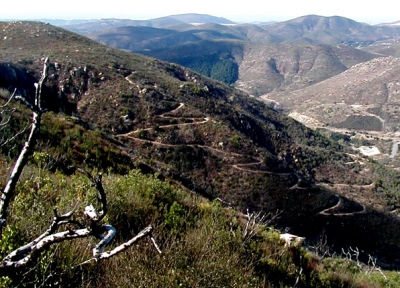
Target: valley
<point>324,71</point>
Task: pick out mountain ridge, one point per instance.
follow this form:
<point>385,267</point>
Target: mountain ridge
<point>189,45</point>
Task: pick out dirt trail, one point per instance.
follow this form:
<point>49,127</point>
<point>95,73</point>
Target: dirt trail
<point>237,166</point>
<point>326,185</point>
<point>172,111</point>
<point>129,80</point>
<point>327,212</point>
<point>197,121</point>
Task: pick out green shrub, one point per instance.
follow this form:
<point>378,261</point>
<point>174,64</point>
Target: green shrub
<point>174,218</point>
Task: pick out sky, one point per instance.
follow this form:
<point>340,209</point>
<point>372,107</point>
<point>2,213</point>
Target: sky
<point>371,12</point>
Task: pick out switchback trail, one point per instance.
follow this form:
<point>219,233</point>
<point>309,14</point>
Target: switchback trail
<point>242,167</point>
<point>198,121</point>
<point>327,212</point>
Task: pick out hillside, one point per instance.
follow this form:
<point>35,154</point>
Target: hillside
<point>263,68</point>
<point>306,51</point>
<point>201,18</point>
<point>384,48</point>
<point>371,85</point>
<point>267,68</point>
<point>143,39</point>
<point>210,139</point>
<point>359,106</point>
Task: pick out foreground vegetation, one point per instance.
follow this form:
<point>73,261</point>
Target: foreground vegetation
<point>203,243</point>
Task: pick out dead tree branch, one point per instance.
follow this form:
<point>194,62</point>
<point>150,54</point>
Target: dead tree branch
<point>321,247</point>
<point>102,195</point>
<point>105,255</point>
<point>6,113</point>
<point>257,221</point>
<point>9,100</point>
<point>26,254</point>
<point>37,111</point>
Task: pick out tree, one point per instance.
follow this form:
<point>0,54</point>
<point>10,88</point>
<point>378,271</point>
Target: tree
<point>26,254</point>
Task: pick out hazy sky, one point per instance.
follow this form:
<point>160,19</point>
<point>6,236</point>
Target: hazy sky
<point>258,10</point>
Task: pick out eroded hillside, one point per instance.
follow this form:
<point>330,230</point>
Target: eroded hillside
<point>271,68</point>
<point>368,90</point>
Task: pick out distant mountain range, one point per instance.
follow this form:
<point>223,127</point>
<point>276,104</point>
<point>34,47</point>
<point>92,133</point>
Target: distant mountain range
<point>275,61</point>
<point>91,26</point>
<point>309,29</point>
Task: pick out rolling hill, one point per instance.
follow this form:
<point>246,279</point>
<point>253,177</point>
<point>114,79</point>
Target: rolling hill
<point>288,56</point>
<point>209,138</point>
<point>142,39</point>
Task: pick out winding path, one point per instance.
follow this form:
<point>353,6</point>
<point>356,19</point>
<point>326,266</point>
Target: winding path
<point>327,212</point>
<point>172,111</point>
<point>237,166</point>
<point>198,121</point>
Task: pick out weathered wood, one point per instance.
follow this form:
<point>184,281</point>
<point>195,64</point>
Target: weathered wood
<point>37,111</point>
<point>102,194</point>
<point>22,256</point>
<point>106,255</point>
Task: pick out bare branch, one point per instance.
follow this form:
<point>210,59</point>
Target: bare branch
<point>255,222</point>
<point>14,136</point>
<point>38,96</point>
<point>155,245</point>
<point>110,230</point>
<point>6,120</point>
<point>27,253</point>
<point>321,247</point>
<point>372,267</point>
<point>105,255</point>
<point>8,191</point>
<point>224,203</point>
<point>102,196</point>
<point>26,102</point>
<point>9,100</point>
<point>22,256</point>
